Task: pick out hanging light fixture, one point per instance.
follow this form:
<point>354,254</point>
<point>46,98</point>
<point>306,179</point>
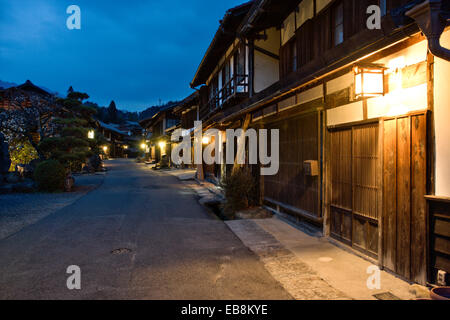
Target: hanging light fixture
<point>369,81</point>
<point>206,139</point>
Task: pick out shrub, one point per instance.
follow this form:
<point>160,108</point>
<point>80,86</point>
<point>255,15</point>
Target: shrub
<point>21,152</point>
<point>95,162</point>
<point>50,176</point>
<point>240,190</point>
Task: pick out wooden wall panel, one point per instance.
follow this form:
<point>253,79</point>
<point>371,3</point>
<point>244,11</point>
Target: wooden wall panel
<point>389,194</point>
<point>299,141</point>
<point>403,197</point>
<point>418,203</point>
<point>404,205</point>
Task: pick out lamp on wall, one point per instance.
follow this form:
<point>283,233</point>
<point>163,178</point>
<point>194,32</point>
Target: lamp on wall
<point>162,144</point>
<point>369,81</point>
<point>91,134</point>
<point>206,140</point>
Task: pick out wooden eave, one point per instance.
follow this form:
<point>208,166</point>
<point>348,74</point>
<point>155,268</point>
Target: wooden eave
<point>223,39</point>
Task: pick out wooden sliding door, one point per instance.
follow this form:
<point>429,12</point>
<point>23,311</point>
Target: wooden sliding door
<point>355,187</point>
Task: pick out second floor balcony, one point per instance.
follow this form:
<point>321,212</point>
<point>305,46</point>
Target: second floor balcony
<point>234,90</point>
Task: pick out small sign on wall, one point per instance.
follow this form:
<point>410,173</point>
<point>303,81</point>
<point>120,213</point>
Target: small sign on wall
<point>311,168</point>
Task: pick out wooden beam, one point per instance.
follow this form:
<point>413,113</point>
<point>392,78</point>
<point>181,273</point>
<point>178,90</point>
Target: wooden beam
<point>267,53</point>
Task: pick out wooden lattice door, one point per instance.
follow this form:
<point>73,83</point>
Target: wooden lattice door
<point>355,187</point>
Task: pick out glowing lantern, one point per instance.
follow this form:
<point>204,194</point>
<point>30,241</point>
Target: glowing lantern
<point>162,144</point>
<point>206,140</point>
<point>369,81</point>
<point>91,134</point>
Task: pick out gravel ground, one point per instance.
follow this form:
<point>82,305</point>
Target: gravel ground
<point>19,210</point>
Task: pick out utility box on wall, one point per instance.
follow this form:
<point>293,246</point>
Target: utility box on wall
<point>311,168</point>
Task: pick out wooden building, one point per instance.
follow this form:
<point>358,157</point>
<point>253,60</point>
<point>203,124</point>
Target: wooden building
<point>188,113</point>
<point>115,137</point>
<point>362,117</point>
<point>158,131</point>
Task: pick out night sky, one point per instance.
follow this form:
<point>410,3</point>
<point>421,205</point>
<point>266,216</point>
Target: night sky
<point>133,52</point>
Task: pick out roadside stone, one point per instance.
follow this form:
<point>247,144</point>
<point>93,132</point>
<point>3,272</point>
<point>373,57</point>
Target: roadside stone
<point>12,178</point>
<point>254,213</point>
<point>420,292</point>
<point>25,170</point>
<point>5,189</point>
<point>24,187</point>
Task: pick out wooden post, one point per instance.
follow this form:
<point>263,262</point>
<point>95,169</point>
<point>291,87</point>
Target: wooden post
<point>245,125</point>
<point>380,179</point>
<point>327,171</point>
<point>251,67</point>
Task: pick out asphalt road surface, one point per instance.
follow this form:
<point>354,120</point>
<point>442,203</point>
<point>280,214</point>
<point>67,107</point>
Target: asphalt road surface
<point>140,235</point>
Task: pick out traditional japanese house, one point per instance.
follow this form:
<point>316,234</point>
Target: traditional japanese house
<point>115,137</point>
<point>158,131</point>
<point>362,116</point>
<point>188,112</point>
<point>234,69</point>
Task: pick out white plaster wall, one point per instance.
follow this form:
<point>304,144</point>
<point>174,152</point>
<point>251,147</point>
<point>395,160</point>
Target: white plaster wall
<point>340,83</point>
<point>310,94</point>
<point>349,113</point>
<point>273,41</point>
<point>442,120</point>
<point>406,57</point>
<point>321,4</point>
<point>288,30</point>
<point>267,68</point>
<point>266,71</point>
<point>398,102</point>
<point>305,12</point>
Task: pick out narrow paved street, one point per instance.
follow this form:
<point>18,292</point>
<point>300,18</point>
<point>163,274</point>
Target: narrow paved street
<point>140,235</point>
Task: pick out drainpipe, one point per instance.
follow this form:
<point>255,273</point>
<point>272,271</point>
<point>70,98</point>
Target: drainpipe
<point>430,19</point>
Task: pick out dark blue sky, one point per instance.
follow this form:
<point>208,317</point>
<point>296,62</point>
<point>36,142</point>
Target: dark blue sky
<point>133,52</point>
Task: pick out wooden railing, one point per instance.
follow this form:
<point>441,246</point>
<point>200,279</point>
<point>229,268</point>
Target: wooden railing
<point>238,84</point>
